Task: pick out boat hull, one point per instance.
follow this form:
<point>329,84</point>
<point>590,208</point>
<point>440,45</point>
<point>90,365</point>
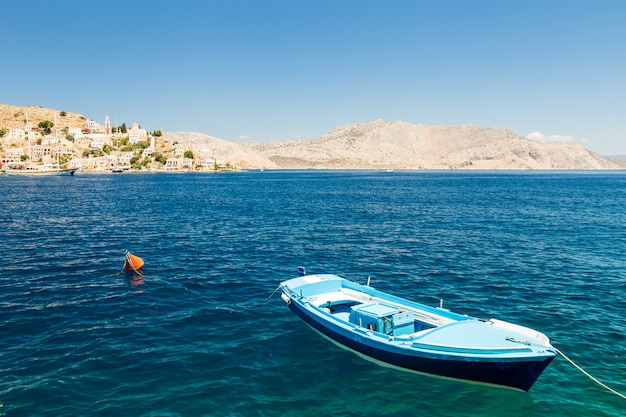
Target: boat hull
<point>41,172</point>
<point>517,367</point>
<point>515,374</point>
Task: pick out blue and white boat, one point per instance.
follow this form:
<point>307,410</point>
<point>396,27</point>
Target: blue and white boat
<point>417,337</point>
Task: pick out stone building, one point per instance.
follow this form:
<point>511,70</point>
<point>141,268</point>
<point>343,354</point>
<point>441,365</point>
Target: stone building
<point>136,134</point>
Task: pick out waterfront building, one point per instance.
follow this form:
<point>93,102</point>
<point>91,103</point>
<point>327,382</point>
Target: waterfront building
<point>98,164</point>
<point>13,156</point>
<point>179,164</point>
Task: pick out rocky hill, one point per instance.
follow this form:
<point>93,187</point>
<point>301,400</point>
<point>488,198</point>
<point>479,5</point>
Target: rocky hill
<point>15,117</point>
<point>223,151</point>
<point>400,145</point>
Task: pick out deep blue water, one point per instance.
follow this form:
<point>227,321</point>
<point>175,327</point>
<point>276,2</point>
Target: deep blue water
<point>198,335</point>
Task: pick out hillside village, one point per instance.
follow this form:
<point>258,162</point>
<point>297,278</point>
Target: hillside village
<point>30,135</point>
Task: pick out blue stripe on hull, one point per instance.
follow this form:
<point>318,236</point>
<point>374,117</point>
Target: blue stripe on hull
<point>521,375</point>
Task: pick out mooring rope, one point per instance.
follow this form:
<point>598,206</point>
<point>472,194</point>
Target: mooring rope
<point>235,307</point>
<point>264,301</point>
<point>589,375</point>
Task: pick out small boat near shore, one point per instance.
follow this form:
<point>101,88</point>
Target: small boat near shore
<point>416,337</point>
<point>43,170</point>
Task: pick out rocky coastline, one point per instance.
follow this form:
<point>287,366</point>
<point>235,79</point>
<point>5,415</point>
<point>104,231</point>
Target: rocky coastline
<point>378,144</point>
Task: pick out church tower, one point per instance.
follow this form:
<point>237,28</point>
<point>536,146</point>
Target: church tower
<point>107,125</point>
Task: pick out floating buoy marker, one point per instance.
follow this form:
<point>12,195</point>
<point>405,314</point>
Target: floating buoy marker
<point>133,263</point>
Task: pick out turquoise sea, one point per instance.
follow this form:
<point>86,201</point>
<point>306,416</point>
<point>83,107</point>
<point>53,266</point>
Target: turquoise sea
<point>202,333</point>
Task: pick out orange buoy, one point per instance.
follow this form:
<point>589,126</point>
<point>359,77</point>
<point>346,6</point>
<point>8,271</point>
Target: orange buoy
<point>133,263</point>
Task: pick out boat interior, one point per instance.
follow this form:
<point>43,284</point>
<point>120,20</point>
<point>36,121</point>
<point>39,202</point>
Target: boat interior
<point>378,315</point>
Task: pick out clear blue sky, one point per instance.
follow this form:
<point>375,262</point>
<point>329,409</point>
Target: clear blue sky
<point>272,70</point>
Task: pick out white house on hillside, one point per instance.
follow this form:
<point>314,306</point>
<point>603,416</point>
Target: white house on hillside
<point>16,134</point>
<point>76,132</point>
<point>98,141</point>
<point>136,134</point>
<point>94,127</point>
